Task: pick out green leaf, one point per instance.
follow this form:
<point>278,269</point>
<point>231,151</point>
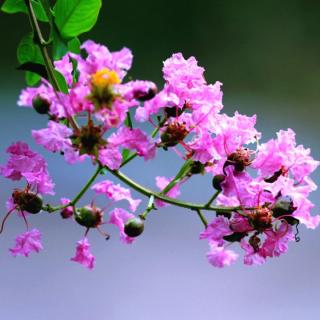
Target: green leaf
<point>74,45</point>
<point>27,53</point>
<point>16,6</point>
<point>73,17</point>
<point>59,45</point>
<point>125,154</point>
<point>128,121</point>
<point>61,81</point>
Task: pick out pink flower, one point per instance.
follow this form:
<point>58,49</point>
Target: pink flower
<point>116,192</point>
<point>251,257</point>
<point>179,72</point>
<point>24,163</point>
<point>119,217</point>
<point>110,157</point>
<point>276,242</point>
<point>100,57</point>
<point>29,241</point>
<point>240,224</point>
<point>220,257</point>
<point>283,153</point>
<point>54,138</point>
<point>233,132</point>
<point>133,139</point>
<point>216,230</point>
<point>161,183</point>
<point>83,254</point>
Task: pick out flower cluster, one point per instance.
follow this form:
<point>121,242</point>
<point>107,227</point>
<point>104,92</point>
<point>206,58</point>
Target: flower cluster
<point>261,189</point>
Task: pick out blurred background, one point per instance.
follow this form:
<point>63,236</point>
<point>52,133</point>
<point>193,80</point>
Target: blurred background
<point>266,53</point>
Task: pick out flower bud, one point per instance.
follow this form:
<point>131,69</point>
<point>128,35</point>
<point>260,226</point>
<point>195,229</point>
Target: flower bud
<point>40,104</point>
<point>197,167</point>
<point>217,180</point>
<point>89,217</point>
<point>27,201</point>
<point>134,227</point>
<point>66,213</point>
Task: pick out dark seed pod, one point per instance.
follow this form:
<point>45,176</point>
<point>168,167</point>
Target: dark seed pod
<point>40,104</point>
<point>217,180</point>
<point>134,227</point>
<point>89,217</point>
<point>197,167</point>
<point>28,201</point>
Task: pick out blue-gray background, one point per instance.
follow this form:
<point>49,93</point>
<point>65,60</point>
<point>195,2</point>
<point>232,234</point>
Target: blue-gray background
<point>267,55</point>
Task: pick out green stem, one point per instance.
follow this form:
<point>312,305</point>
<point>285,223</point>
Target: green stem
<point>214,197</point>
<point>147,192</point>
<point>184,170</point>
<point>46,58</point>
<point>150,207</point>
<point>50,209</point>
<point>202,218</point>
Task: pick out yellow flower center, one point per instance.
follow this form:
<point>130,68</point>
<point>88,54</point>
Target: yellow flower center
<point>104,78</point>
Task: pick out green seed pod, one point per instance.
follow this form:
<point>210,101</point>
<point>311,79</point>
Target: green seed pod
<point>88,217</point>
<point>134,227</point>
<point>40,104</point>
<point>28,201</point>
<point>217,180</point>
<point>197,168</point>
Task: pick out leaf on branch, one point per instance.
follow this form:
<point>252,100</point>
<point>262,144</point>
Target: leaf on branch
<point>30,59</point>
<point>61,81</point>
<point>33,67</point>
<point>73,17</point>
<point>17,6</point>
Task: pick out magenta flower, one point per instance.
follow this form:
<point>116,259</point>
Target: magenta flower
<point>133,139</point>
<point>216,230</point>
<point>276,242</point>
<point>116,193</point>
<point>119,217</point>
<point>54,138</point>
<point>83,254</point>
<point>29,241</point>
<point>24,163</point>
<point>220,257</point>
<point>110,157</point>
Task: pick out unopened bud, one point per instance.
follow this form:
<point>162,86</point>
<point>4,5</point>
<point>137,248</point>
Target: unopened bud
<point>40,104</point>
<point>27,201</point>
<point>217,180</point>
<point>134,227</point>
<point>66,213</point>
<point>89,217</point>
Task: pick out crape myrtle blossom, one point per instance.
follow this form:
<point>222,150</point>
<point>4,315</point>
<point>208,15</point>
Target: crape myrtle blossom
<point>29,241</point>
<point>261,188</point>
<point>116,193</point>
<point>83,254</point>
